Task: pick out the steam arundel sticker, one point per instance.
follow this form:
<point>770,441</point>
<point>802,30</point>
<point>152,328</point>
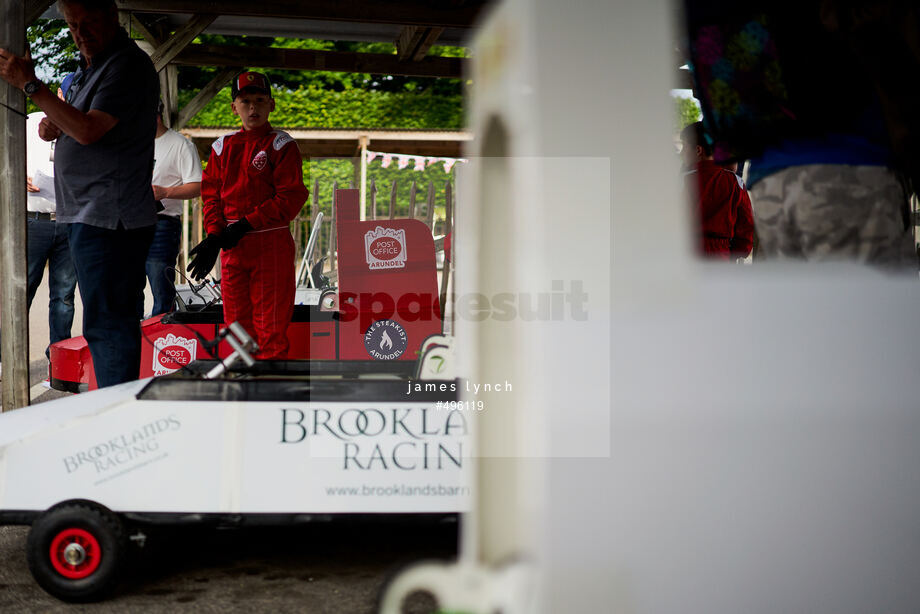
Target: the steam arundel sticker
<point>385,248</point>
<point>170,353</point>
<point>386,340</point>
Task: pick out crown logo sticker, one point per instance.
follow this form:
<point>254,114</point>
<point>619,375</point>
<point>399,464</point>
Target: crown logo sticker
<point>385,248</point>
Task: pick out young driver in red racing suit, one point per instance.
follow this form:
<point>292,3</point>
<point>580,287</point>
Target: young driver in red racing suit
<point>251,189</point>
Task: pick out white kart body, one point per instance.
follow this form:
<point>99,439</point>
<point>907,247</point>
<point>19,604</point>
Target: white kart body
<point>135,453</point>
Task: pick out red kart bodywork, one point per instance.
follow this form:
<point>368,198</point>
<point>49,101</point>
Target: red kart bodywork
<point>386,271</point>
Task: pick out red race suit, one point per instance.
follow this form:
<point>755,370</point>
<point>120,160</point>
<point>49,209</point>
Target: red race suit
<point>256,174</point>
<point>724,210</point>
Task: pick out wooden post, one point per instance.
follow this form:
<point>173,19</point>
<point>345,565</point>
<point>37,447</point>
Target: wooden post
<point>14,311</point>
<point>412,189</point>
<point>362,201</point>
<point>172,76</point>
<point>373,199</point>
<point>314,209</point>
<point>393,200</point>
<point>172,102</point>
<point>335,187</point>
<point>445,270</point>
<point>124,20</point>
<point>455,204</point>
<point>429,213</point>
<point>183,246</point>
<point>297,235</point>
<point>197,220</point>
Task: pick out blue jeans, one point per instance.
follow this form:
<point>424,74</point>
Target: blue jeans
<point>110,270</point>
<point>162,255</point>
<point>48,244</point>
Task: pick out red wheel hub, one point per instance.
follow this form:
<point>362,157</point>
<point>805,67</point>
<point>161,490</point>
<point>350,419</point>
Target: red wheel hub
<point>75,553</point>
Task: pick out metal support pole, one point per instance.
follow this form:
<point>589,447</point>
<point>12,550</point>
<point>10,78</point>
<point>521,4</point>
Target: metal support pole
<point>14,311</point>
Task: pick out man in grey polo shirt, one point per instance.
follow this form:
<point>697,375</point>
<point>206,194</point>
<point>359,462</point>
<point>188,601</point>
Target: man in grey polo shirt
<point>102,173</point>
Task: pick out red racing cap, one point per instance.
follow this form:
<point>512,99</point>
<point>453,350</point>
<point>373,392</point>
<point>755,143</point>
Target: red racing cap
<point>250,80</point>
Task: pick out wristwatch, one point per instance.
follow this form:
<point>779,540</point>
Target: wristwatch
<point>32,87</point>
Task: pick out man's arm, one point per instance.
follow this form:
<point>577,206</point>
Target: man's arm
<point>185,191</point>
<point>189,167</point>
<point>85,128</point>
<point>211,204</point>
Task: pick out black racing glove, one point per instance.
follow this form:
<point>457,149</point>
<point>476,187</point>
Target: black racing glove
<point>233,233</point>
<point>205,255</point>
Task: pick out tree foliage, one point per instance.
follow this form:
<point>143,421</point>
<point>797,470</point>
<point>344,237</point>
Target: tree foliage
<point>314,107</point>
<point>686,111</point>
<point>53,50</point>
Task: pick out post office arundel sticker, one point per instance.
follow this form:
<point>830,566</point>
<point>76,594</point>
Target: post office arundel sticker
<point>385,248</point>
<point>171,353</point>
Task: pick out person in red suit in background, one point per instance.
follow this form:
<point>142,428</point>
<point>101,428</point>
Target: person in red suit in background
<point>727,221</point>
<point>251,189</point>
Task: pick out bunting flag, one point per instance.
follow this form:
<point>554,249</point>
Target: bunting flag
<point>420,162</point>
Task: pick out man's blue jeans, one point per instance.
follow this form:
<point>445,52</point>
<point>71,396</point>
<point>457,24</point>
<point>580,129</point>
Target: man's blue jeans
<point>162,255</point>
<point>47,241</point>
<point>48,244</point>
<point>110,270</point>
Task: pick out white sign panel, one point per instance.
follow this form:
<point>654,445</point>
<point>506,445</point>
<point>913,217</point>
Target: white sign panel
<point>235,457</point>
<point>340,457</point>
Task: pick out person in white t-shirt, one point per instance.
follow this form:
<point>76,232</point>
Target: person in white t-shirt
<point>176,178</point>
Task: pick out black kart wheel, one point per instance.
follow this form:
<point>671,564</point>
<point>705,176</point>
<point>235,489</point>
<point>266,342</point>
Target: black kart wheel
<point>76,551</point>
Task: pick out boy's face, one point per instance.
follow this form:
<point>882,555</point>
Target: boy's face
<point>252,108</point>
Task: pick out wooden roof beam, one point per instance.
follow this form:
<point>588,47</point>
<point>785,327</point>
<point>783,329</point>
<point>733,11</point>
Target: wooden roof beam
<point>308,59</point>
<point>406,12</point>
<point>204,96</point>
<point>147,33</point>
<point>179,40</point>
<point>414,42</point>
<point>35,8</point>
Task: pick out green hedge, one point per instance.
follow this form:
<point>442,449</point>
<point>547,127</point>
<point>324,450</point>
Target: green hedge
<point>353,108</point>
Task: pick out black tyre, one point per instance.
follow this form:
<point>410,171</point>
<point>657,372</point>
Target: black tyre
<point>76,551</point>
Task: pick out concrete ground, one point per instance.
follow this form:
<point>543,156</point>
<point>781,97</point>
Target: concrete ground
<point>329,568</point>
